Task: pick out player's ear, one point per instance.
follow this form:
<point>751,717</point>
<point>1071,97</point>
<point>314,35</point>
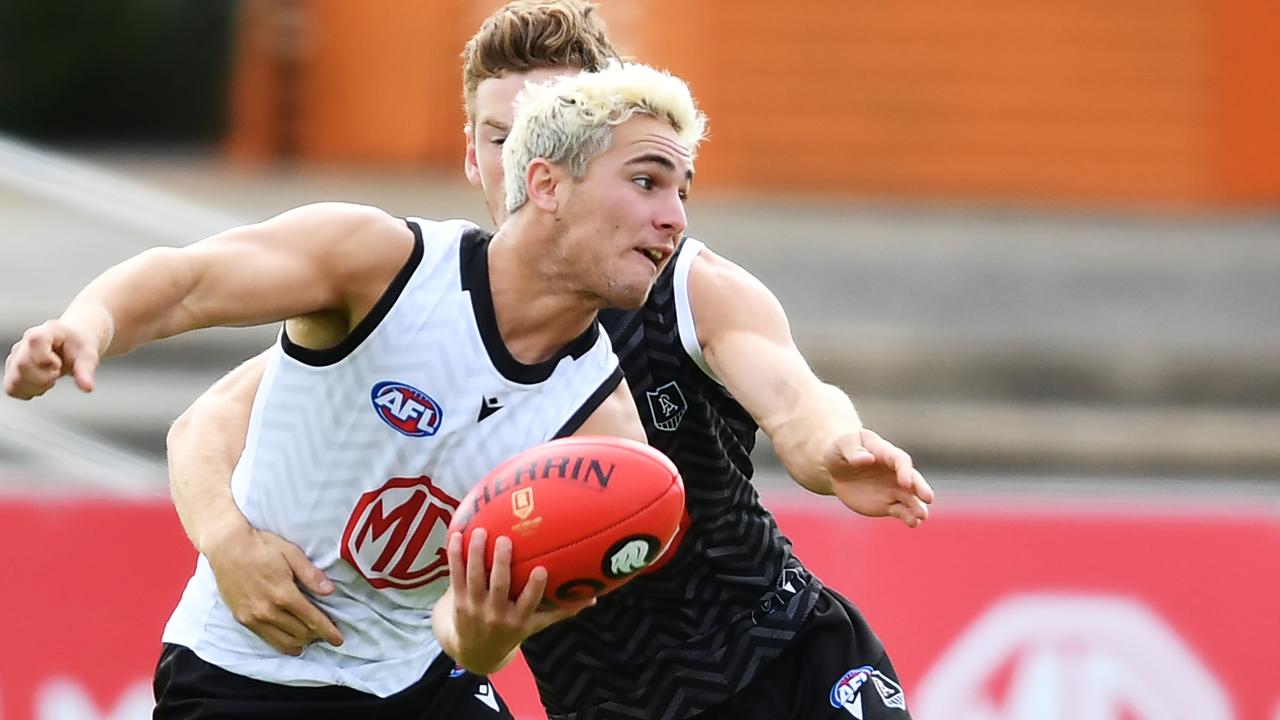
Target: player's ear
<point>544,183</point>
<point>470,165</point>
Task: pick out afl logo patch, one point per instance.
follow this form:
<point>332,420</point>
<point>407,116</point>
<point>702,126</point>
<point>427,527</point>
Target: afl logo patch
<point>406,408</point>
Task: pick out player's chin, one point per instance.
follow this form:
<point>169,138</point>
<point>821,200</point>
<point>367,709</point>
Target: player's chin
<point>630,296</point>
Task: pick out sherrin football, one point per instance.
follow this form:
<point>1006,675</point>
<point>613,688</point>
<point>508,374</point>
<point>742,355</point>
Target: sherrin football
<point>593,510</point>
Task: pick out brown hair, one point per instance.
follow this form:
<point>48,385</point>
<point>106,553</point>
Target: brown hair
<point>531,34</point>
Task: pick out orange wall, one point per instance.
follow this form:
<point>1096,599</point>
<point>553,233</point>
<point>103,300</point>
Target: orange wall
<point>375,82</point>
<point>1246,102</point>
<point>1143,102</point>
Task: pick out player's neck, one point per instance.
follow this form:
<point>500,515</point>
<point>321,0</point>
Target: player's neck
<point>537,312</point>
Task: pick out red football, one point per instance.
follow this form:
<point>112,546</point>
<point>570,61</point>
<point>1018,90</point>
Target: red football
<point>593,511</point>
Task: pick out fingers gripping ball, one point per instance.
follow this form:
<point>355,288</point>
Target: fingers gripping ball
<point>594,511</point>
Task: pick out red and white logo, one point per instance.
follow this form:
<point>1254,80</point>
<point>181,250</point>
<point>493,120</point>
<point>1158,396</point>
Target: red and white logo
<point>397,534</point>
<point>1053,657</point>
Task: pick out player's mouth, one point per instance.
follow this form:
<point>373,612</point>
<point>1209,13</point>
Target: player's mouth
<point>657,256</point>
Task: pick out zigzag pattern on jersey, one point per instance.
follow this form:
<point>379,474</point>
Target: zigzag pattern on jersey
<point>327,436</point>
<point>319,450</point>
<point>717,665</point>
<point>684,638</point>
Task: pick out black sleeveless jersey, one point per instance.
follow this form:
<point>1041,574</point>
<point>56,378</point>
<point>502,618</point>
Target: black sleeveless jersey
<point>686,636</point>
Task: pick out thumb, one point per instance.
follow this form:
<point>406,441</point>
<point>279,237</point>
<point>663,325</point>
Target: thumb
<point>849,451</point>
<point>311,577</point>
<point>80,361</point>
<point>83,368</point>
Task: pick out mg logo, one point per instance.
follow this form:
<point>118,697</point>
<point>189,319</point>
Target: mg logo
<point>396,535</point>
<point>1055,657</point>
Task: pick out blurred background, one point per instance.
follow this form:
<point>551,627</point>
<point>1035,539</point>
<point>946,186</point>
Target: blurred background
<point>1037,242</point>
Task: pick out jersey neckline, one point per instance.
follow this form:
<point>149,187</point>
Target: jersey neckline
<point>474,258</point>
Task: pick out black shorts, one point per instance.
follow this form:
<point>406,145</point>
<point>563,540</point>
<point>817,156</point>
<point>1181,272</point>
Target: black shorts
<point>834,668</point>
<point>187,687</point>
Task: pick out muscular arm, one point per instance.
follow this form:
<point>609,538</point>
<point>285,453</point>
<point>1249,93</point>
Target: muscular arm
<point>255,570</point>
<point>204,445</point>
<point>816,432</point>
<point>328,257</point>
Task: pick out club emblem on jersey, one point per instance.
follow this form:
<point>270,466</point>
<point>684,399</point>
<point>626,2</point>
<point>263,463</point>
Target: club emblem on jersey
<point>790,583</point>
<point>406,408</point>
<point>848,693</point>
<point>396,535</point>
<point>667,404</point>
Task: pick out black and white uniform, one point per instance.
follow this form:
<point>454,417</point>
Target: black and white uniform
<point>716,622</point>
<point>359,454</point>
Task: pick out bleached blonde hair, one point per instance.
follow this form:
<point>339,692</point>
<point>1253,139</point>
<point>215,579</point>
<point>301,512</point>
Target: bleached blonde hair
<point>569,120</point>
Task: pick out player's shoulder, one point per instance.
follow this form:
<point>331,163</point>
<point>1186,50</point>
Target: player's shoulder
<point>448,226</point>
<point>343,217</point>
<point>714,279</point>
<point>350,239</point>
<point>724,298</point>
<point>350,235</point>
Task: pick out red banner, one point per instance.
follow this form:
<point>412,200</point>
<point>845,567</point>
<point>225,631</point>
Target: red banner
<point>1037,610</point>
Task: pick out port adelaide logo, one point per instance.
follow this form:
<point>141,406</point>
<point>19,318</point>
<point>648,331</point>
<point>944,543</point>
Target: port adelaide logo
<point>667,405</point>
<point>406,408</point>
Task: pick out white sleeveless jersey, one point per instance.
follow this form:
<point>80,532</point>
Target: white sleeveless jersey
<point>359,454</point>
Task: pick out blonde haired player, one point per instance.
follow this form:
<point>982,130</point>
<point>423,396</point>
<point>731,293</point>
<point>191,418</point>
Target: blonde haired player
<point>365,432</point>
<point>570,121</point>
<point>580,114</point>
<point>733,626</point>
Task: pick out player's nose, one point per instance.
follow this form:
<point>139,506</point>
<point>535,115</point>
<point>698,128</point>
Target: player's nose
<point>669,214</point>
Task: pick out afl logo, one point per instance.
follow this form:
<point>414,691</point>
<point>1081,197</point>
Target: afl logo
<point>406,408</point>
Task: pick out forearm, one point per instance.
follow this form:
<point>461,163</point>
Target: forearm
<point>200,487</point>
<point>134,302</point>
<point>204,445</point>
<point>803,436</point>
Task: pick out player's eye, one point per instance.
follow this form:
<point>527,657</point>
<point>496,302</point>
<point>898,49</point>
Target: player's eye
<point>498,141</point>
<point>643,181</point>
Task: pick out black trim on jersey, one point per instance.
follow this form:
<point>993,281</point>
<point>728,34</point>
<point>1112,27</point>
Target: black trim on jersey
<point>597,398</point>
<point>348,344</point>
<point>475,279</point>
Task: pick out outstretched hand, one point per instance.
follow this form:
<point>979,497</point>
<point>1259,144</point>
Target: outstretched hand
<point>258,575</point>
<point>873,477</point>
<point>45,353</point>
